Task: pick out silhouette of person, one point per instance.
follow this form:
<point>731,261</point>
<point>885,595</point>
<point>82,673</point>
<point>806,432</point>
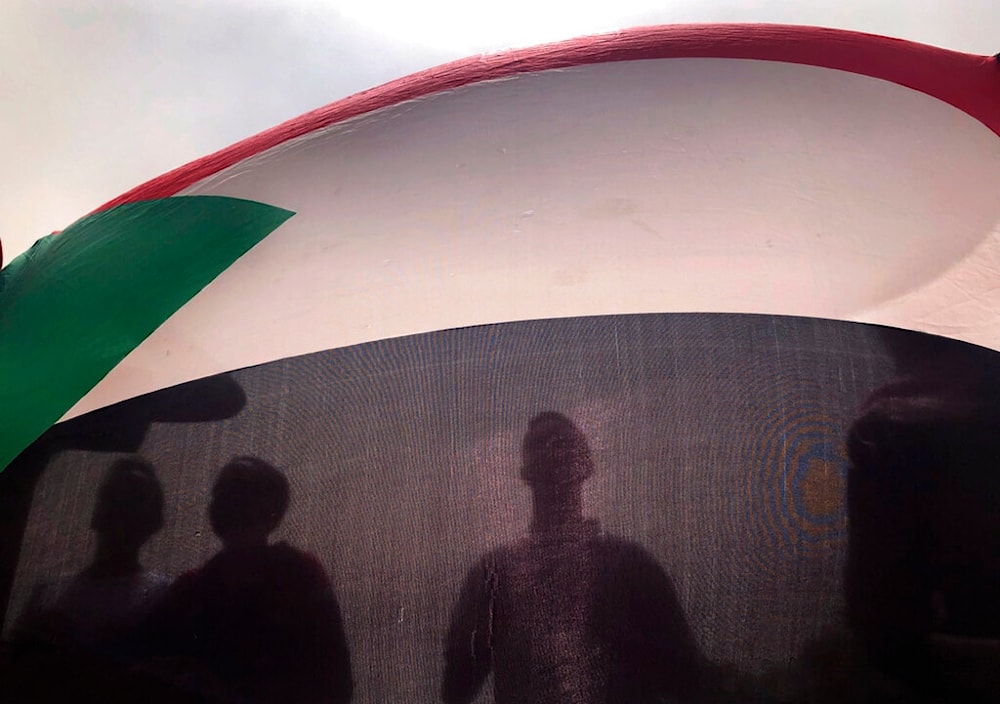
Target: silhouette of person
<point>260,619</point>
<point>568,614</point>
<point>924,512</point>
<point>120,428</point>
<point>99,608</point>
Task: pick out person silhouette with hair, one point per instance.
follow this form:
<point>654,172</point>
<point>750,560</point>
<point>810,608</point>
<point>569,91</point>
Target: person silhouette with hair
<point>258,622</point>
<point>567,614</point>
<point>99,608</point>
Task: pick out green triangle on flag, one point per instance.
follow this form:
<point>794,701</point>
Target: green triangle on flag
<point>75,304</point>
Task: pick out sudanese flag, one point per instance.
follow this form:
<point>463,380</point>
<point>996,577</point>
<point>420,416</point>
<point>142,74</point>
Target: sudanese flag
<point>712,168</point>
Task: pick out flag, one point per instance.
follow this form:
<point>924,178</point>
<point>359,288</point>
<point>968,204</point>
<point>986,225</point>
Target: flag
<point>760,169</point>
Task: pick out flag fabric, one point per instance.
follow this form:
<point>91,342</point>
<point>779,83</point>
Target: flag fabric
<point>77,303</point>
<point>495,389</point>
<point>770,169</point>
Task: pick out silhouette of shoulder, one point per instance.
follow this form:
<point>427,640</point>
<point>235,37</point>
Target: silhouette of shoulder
<point>233,578</point>
<point>628,605</point>
<point>265,619</point>
<point>88,611</point>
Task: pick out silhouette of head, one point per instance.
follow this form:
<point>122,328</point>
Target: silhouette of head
<point>129,507</point>
<point>555,452</point>
<point>249,499</point>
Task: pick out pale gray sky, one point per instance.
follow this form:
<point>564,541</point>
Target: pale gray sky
<point>99,96</point>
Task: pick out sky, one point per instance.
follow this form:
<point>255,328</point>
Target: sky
<point>98,97</point>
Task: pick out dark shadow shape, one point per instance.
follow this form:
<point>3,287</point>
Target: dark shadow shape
<point>98,609</point>
<point>568,615</point>
<point>258,622</point>
<point>118,428</point>
<point>922,578</point>
<point>36,673</point>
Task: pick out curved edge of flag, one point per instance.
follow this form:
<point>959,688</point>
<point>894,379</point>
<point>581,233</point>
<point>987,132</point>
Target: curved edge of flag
<point>968,82</point>
<point>74,305</point>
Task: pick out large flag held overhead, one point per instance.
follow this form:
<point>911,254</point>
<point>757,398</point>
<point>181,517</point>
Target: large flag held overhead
<point>714,168</point>
<point>647,253</point>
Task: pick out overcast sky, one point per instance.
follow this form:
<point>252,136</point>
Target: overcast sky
<point>97,97</point>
